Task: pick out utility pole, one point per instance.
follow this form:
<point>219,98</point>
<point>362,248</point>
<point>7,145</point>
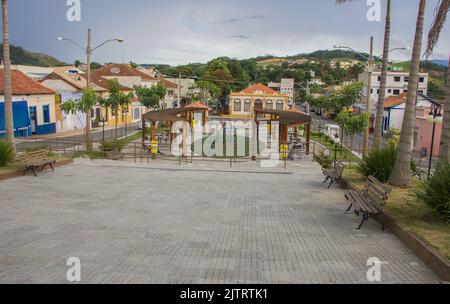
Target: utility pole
<point>369,95</point>
<point>179,89</point>
<point>88,86</point>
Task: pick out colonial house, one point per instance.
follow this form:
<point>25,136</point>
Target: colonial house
<point>69,83</point>
<point>131,77</point>
<point>258,96</point>
<point>394,111</point>
<point>33,106</point>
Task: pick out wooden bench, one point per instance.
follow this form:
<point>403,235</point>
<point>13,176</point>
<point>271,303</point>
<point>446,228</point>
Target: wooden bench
<point>115,155</point>
<point>370,201</point>
<point>36,160</point>
<point>334,175</point>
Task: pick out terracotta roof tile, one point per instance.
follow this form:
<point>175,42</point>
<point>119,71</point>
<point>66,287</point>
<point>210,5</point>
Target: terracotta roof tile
<point>394,101</point>
<point>259,87</point>
<point>122,70</point>
<point>197,105</point>
<point>23,85</point>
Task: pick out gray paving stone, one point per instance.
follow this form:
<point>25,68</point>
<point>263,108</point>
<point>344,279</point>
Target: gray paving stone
<point>199,223</point>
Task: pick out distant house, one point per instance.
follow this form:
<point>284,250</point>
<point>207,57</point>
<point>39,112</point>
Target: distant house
<point>394,111</point>
<point>131,77</point>
<point>69,83</point>
<point>33,106</point>
<point>33,72</point>
<point>258,96</point>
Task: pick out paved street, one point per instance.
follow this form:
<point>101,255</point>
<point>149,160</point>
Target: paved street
<point>197,223</point>
<point>70,141</point>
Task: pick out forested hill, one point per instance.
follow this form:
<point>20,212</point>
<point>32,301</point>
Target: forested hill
<point>20,56</point>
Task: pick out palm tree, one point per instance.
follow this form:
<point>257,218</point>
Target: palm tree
<point>383,82</point>
<point>9,123</point>
<point>433,38</point>
<point>401,176</point>
<point>384,71</point>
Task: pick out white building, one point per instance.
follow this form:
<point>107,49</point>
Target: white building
<point>286,87</point>
<point>397,84</point>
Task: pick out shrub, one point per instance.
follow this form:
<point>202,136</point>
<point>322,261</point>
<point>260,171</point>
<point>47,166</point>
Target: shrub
<point>379,163</point>
<point>436,191</point>
<point>6,153</point>
<point>108,146</point>
<point>325,161</point>
<point>36,148</point>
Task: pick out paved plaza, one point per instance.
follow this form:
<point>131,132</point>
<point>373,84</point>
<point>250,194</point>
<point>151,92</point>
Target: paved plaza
<point>198,223</point>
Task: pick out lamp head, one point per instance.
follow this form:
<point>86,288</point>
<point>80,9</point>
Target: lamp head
<point>60,38</point>
<point>120,39</point>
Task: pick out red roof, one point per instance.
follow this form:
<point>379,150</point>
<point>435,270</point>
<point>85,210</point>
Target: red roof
<point>168,84</point>
<point>198,105</point>
<point>122,70</point>
<point>259,87</point>
<point>394,101</point>
<point>24,85</point>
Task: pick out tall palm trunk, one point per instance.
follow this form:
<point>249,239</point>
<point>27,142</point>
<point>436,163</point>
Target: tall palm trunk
<point>444,152</point>
<point>401,175</point>
<point>383,83</point>
<point>9,121</point>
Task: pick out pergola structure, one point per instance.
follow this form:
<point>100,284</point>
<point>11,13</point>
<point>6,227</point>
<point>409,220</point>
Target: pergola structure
<point>291,118</point>
<point>172,115</point>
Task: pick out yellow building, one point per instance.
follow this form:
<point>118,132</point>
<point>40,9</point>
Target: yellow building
<point>243,104</point>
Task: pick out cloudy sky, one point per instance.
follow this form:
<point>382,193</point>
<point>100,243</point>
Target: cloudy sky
<point>184,31</point>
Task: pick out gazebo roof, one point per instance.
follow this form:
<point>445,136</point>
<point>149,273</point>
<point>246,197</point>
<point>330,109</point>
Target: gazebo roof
<point>171,114</point>
<point>288,118</point>
<point>198,105</point>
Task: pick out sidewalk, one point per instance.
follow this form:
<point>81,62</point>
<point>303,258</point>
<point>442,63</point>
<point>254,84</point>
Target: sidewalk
<point>66,134</point>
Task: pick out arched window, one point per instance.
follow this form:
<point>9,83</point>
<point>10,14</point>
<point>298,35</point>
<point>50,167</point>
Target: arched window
<point>280,105</point>
<point>237,105</point>
<point>248,105</point>
<point>269,105</point>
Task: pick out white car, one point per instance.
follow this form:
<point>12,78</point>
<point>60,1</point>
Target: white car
<point>333,131</point>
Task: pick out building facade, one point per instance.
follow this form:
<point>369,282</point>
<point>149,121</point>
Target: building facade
<point>33,106</point>
<point>393,119</point>
<point>287,87</point>
<point>244,103</point>
<point>397,84</point>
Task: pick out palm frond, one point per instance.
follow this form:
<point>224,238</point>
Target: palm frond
<point>437,25</point>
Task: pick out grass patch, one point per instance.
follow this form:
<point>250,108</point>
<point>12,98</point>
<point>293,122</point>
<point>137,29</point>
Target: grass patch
<point>415,215</point>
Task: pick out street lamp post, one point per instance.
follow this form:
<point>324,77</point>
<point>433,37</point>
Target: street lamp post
<point>89,50</point>
<point>435,117</point>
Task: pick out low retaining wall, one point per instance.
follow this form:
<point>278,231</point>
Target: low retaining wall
<point>430,256</point>
<point>20,172</point>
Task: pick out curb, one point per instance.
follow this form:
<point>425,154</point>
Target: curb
<point>20,172</point>
<point>430,256</point>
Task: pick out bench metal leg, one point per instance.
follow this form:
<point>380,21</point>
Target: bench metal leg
<point>331,184</point>
<point>365,218</point>
<point>34,171</point>
<point>326,179</point>
<point>349,208</point>
<point>376,218</point>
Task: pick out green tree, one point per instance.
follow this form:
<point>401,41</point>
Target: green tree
<point>95,65</point>
<point>151,97</point>
<point>116,101</point>
<point>87,102</point>
<point>77,63</point>
<point>353,124</point>
<point>401,175</point>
